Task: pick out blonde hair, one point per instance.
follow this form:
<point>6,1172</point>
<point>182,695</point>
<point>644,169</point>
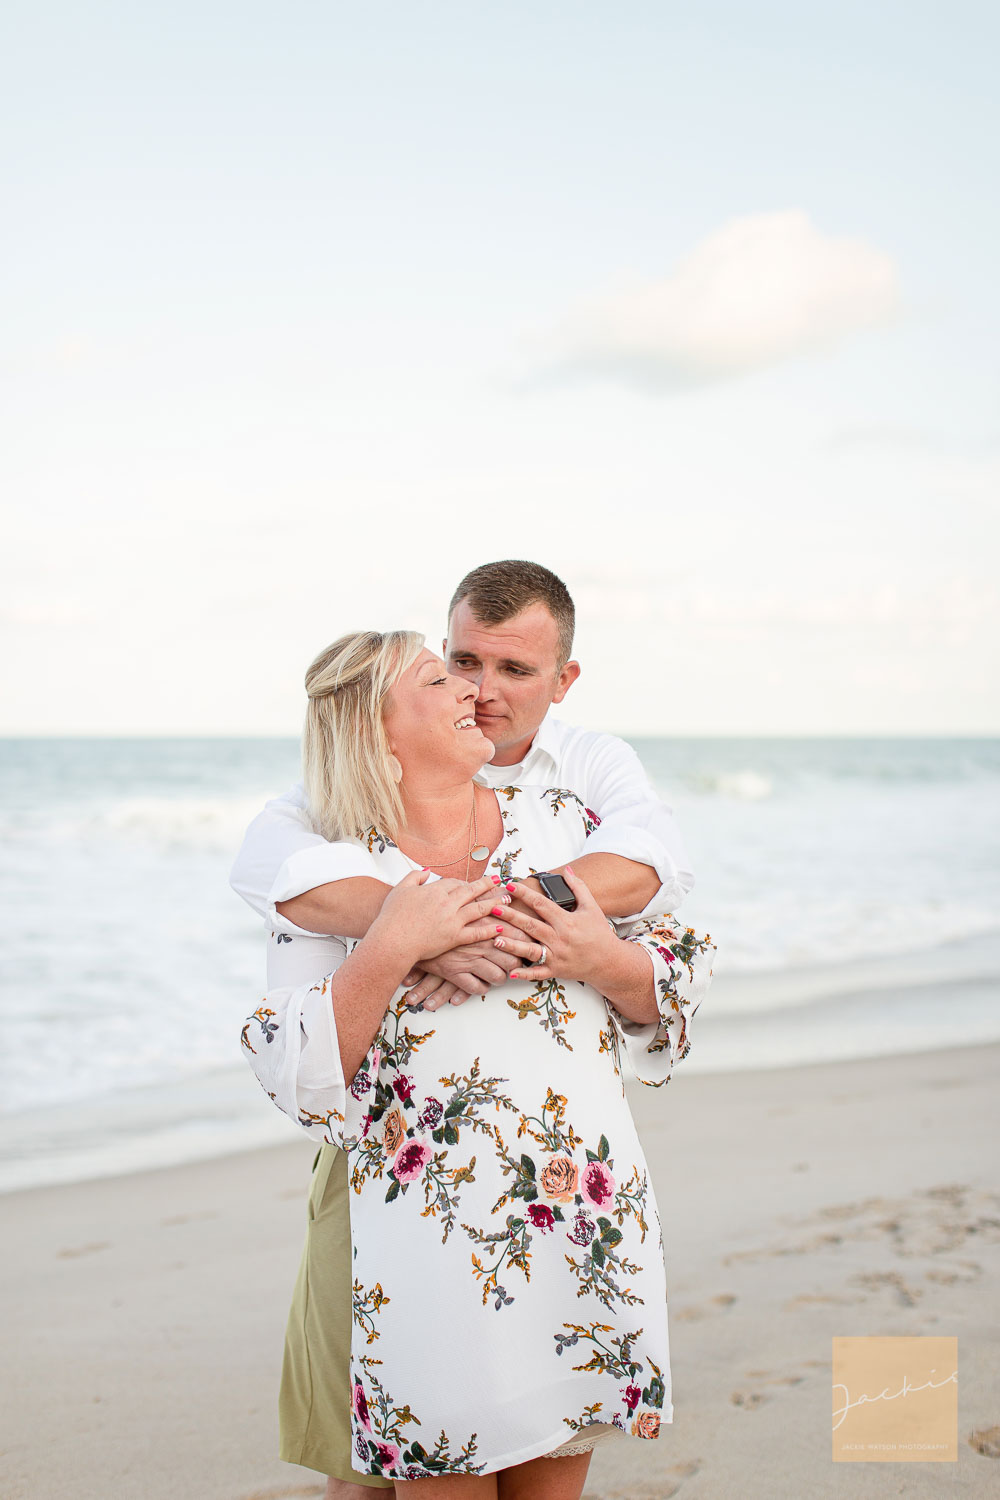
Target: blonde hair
<point>346,761</point>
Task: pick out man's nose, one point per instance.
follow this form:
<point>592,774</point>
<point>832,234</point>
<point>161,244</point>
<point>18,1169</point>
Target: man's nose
<point>485,684</point>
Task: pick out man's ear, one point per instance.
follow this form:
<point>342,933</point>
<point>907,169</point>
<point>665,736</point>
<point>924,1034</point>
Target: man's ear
<point>565,680</point>
<point>444,648</point>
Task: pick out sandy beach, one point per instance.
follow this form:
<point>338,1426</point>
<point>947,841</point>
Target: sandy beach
<point>144,1314</point>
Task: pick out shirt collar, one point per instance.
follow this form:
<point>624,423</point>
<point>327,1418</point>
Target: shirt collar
<point>547,741</point>
<point>542,756</point>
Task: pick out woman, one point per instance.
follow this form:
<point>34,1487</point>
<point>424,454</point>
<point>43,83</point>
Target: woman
<point>509,1301</point>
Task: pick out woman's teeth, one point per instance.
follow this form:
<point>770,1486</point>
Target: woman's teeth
<point>466,724</point>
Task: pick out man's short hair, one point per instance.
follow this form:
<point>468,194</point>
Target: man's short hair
<point>498,591</point>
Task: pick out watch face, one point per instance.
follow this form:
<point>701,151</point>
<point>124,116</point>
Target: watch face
<point>557,890</point>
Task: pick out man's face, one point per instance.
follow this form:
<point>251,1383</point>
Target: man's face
<point>515,667</point>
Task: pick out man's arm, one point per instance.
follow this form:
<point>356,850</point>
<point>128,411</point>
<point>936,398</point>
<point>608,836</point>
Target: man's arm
<point>620,886</point>
<point>345,907</point>
<point>635,863</point>
<point>299,881</point>
<point>634,825</point>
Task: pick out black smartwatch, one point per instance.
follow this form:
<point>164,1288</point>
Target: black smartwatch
<point>556,889</point>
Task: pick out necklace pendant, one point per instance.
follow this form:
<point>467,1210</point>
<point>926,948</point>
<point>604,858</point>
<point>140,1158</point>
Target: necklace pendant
<point>480,852</point>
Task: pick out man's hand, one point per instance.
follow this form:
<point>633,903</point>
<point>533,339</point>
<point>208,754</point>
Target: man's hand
<point>455,975</point>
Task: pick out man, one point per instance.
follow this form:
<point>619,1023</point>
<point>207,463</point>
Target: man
<point>510,631</point>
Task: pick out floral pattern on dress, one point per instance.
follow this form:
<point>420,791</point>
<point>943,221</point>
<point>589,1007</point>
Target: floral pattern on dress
<point>265,1020</point>
<point>560,798</point>
<point>497,1183</point>
<point>377,1423</point>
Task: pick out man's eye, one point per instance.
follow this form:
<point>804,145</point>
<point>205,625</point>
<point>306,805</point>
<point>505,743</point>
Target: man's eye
<point>516,672</point>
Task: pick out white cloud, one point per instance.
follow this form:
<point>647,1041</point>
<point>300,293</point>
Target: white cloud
<point>759,290</point>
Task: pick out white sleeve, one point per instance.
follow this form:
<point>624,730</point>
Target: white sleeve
<point>634,823</point>
<point>281,857</point>
<point>291,1044</point>
<point>682,972</point>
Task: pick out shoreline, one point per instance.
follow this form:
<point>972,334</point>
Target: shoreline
<point>798,1204</point>
<point>787,1020</point>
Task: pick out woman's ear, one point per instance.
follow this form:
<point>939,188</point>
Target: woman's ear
<point>395,768</point>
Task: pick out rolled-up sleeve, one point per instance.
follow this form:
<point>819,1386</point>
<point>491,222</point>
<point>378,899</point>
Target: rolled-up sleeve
<point>682,973</point>
<point>282,857</point>
<point>291,1044</point>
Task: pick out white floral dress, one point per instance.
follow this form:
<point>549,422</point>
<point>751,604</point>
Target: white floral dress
<point>509,1286</point>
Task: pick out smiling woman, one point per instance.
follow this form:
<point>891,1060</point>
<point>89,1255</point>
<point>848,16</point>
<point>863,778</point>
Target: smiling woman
<point>343,684</point>
<point>491,1152</point>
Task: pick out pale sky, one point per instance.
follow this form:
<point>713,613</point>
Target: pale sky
<point>312,307</point>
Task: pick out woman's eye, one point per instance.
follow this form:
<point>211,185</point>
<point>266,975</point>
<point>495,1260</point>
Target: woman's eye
<point>438,681</point>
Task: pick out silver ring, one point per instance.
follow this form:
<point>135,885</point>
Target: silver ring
<point>542,957</point>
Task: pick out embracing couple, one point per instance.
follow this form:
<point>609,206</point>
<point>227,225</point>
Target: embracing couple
<point>470,938</point>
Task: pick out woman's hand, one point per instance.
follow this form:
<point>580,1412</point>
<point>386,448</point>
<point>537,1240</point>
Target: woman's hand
<point>578,944</point>
<point>423,917</point>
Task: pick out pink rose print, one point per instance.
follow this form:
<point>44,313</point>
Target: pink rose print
<point>361,1407</point>
<point>666,953</point>
<point>410,1161</point>
<point>543,1218</point>
<point>388,1453</point>
<point>597,1184</point>
<point>403,1087</point>
<point>631,1398</point>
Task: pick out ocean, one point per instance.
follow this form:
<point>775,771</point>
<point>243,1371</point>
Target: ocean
<point>852,887</point>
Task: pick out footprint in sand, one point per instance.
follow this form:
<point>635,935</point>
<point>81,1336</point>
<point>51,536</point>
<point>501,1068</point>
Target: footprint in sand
<point>770,1379</point>
<point>749,1399</point>
<point>876,1281</point>
<point>986,1440</point>
<point>72,1251</point>
<point>699,1310</point>
<point>814,1299</point>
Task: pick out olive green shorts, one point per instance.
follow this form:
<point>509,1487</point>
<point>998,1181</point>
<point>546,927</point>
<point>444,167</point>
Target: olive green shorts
<point>314,1405</point>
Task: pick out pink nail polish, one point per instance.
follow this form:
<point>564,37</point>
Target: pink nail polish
<point>511,886</point>
<point>496,911</point>
<point>514,974</point>
<point>495,879</point>
<point>499,929</point>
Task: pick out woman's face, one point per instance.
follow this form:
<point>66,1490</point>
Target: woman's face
<point>430,720</point>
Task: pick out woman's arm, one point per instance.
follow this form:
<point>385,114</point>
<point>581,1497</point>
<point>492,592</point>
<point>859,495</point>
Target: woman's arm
<point>653,979</point>
<point>416,912</point>
<point>306,1043</point>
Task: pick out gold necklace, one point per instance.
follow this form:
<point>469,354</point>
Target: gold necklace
<point>480,851</point>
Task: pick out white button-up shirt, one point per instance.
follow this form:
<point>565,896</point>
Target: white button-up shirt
<point>282,856</point>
